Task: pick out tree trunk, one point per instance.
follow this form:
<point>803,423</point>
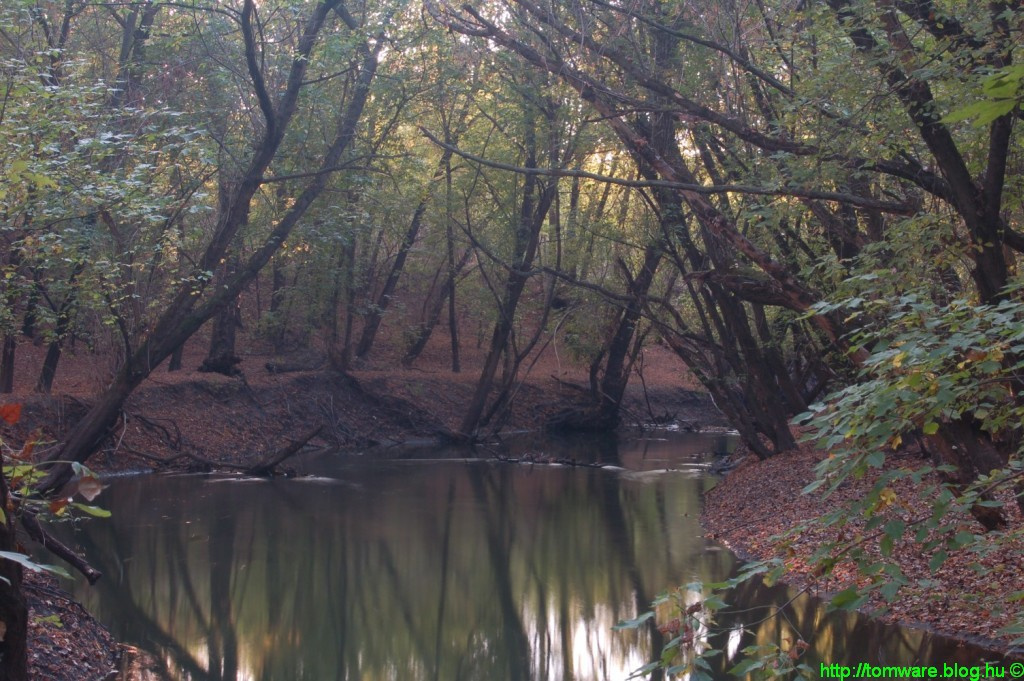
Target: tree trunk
<point>453,327</point>
<point>533,210</point>
<point>339,349</point>
<point>60,331</point>
<point>7,364</point>
<point>49,368</point>
<point>221,358</point>
<point>177,358</point>
<point>279,321</point>
<point>964,445</point>
<point>28,325</point>
<point>453,272</point>
<point>383,301</point>
<point>616,369</point>
<point>437,307</point>
<point>13,609</point>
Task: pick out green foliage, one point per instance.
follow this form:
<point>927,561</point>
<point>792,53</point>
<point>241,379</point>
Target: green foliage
<point>18,476</point>
<point>928,364</point>
<point>1002,93</point>
<point>92,195</point>
<point>687,617</point>
<point>30,564</point>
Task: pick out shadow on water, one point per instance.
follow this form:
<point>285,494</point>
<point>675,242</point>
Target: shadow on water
<point>426,565</point>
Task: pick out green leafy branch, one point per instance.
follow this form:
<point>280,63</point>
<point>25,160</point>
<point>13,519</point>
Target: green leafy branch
<point>1002,92</point>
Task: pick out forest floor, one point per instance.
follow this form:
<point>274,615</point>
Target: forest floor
<point>966,599</point>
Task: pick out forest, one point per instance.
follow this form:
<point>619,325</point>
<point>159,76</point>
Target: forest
<point>815,205</point>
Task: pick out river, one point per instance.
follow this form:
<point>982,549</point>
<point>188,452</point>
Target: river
<point>417,564</point>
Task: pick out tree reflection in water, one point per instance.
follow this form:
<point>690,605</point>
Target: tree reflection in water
<point>410,570</point>
<point>396,570</point>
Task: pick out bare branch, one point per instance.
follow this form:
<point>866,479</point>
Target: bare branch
<point>838,197</point>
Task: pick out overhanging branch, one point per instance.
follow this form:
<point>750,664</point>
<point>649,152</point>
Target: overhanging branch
<point>798,192</point>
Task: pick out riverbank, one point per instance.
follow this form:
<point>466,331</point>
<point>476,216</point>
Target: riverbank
<point>761,499</point>
<point>188,420</point>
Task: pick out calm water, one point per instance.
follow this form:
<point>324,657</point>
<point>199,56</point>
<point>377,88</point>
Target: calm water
<point>421,567</point>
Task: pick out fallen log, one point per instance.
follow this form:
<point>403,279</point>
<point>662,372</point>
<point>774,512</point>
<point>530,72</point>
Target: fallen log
<point>267,466</point>
<point>59,549</point>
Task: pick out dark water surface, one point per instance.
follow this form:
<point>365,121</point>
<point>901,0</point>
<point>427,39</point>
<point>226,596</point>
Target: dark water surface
<point>431,565</point>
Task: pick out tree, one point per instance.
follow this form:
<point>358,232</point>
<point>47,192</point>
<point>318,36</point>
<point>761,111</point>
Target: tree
<point>275,95</point>
<point>535,198</point>
<point>760,130</point>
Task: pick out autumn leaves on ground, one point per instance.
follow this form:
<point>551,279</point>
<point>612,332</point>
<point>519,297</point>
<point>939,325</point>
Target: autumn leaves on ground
<point>966,597</point>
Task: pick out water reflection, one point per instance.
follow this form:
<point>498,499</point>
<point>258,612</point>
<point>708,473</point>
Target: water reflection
<point>440,570</point>
<point>466,570</point>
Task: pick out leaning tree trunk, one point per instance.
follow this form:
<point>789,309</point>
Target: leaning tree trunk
<point>616,369</point>
<point>222,358</point>
<point>383,301</point>
<point>533,211</point>
<point>56,347</point>
<point>177,358</point>
<point>436,308</point>
<point>964,445</point>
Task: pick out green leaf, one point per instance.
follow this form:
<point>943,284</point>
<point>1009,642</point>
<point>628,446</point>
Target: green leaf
<point>886,545</point>
<point>847,599</point>
<point>960,540</point>
<point>895,528</point>
<point>28,563</point>
<point>985,111</point>
<point>714,602</point>
<point>95,511</point>
<point>930,428</point>
<point>772,577</point>
<point>813,486</point>
<point>746,666</point>
<point>645,670</point>
<point>890,589</point>
<point>633,623</point>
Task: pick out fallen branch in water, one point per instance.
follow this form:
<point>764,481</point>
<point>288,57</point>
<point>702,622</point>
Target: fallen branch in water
<point>549,460</point>
<point>267,466</point>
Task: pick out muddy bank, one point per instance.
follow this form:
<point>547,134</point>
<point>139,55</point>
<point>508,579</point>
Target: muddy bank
<point>192,420</point>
